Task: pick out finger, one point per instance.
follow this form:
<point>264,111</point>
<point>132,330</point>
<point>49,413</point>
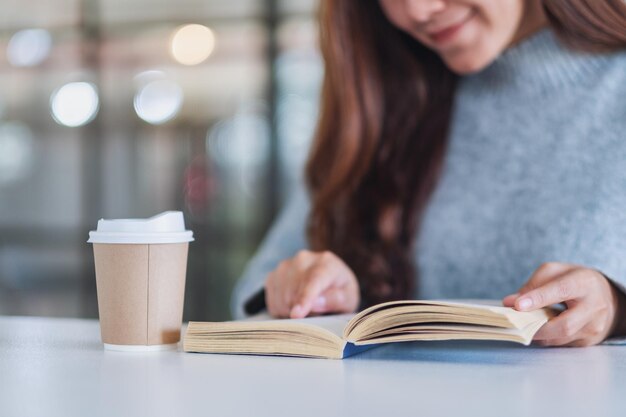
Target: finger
<point>581,343</point>
<point>287,296</point>
<point>333,300</point>
<point>589,335</point>
<point>303,261</point>
<point>562,342</point>
<point>290,285</point>
<point>509,300</point>
<point>296,279</point>
<point>543,274</point>
<point>565,288</point>
<point>547,271</point>
<point>298,282</point>
<point>319,279</point>
<point>279,289</point>
<point>565,326</point>
<point>278,307</point>
<point>271,301</point>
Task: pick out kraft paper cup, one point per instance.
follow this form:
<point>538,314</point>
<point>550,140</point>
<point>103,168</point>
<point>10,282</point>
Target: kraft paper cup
<point>141,266</point>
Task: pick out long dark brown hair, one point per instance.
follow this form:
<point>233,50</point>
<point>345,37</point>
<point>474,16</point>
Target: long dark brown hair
<point>381,138</point>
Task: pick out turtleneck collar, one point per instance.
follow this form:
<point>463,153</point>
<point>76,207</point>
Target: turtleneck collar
<point>540,61</point>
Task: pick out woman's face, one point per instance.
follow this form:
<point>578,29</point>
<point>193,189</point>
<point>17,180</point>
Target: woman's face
<point>467,34</point>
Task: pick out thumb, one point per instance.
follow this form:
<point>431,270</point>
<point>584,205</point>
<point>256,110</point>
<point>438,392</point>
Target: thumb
<point>333,300</point>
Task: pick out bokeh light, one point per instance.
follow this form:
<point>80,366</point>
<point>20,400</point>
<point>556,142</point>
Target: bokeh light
<point>241,145</point>
<point>142,78</point>
<point>192,44</point>
<point>241,141</point>
<point>158,101</point>
<point>29,47</point>
<point>16,152</point>
<point>75,104</point>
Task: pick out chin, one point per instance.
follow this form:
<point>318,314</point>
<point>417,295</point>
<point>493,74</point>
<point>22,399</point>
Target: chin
<point>468,65</point>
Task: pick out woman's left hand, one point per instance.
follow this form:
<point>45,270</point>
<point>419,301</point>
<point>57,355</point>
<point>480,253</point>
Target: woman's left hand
<point>594,306</point>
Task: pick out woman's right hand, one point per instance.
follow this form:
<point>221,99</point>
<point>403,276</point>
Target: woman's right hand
<point>311,282</point>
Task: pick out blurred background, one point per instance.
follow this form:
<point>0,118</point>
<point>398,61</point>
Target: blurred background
<point>126,108</point>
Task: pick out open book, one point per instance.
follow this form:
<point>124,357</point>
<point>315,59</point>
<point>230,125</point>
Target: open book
<point>339,336</point>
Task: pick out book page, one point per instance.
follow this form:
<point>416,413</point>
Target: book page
<point>399,314</point>
<point>333,323</point>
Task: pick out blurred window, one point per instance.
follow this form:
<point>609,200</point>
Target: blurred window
<point>126,108</point>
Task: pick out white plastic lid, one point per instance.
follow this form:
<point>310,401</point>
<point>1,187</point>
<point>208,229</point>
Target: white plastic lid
<point>167,227</point>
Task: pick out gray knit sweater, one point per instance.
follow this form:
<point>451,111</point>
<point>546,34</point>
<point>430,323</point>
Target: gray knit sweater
<point>535,172</point>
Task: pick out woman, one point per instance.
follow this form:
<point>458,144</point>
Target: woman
<point>464,146</point>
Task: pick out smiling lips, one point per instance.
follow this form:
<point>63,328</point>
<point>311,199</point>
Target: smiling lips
<point>446,34</point>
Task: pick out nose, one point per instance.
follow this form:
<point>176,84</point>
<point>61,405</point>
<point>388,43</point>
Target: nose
<point>422,10</point>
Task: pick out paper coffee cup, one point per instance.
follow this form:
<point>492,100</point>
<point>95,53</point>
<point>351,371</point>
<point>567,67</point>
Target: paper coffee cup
<point>141,266</point>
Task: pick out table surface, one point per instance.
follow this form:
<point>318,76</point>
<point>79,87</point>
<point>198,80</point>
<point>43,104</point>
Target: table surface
<point>57,367</point>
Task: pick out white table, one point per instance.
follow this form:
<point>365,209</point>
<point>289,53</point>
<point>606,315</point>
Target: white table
<point>57,367</point>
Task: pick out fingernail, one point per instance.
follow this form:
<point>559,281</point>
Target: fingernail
<point>515,294</point>
<point>525,303</point>
<point>320,302</point>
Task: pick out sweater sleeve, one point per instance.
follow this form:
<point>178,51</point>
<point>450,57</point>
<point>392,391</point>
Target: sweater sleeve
<point>286,237</point>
